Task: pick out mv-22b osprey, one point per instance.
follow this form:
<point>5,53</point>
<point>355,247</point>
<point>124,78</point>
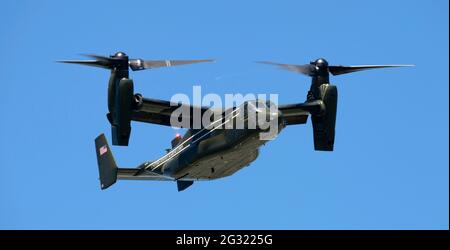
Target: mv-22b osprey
<point>207,153</point>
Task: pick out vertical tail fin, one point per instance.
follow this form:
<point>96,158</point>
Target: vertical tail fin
<point>106,164</point>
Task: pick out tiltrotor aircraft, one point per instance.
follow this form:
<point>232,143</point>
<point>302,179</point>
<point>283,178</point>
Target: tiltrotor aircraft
<point>208,152</point>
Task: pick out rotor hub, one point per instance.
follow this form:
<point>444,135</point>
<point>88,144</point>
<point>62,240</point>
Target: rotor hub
<point>120,55</point>
<point>321,63</point>
<point>321,66</point>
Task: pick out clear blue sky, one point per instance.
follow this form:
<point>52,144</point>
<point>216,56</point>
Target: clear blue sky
<point>390,165</point>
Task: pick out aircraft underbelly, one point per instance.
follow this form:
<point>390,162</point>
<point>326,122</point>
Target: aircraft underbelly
<point>227,162</point>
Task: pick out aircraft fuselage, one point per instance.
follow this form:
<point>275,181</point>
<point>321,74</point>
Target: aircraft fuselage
<point>205,154</point>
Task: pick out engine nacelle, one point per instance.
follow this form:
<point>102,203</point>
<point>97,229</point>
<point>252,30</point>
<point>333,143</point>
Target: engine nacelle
<point>324,124</point>
<point>121,107</point>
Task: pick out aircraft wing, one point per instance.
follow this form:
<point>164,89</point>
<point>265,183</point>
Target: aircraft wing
<point>159,112</point>
<point>129,174</point>
<point>298,113</point>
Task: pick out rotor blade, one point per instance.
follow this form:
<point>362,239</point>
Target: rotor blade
<point>139,64</point>
<point>339,69</point>
<point>94,63</point>
<point>306,69</point>
<point>98,57</point>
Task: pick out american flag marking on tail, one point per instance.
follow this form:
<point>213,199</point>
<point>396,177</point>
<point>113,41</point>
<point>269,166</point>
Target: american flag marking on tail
<point>103,150</point>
